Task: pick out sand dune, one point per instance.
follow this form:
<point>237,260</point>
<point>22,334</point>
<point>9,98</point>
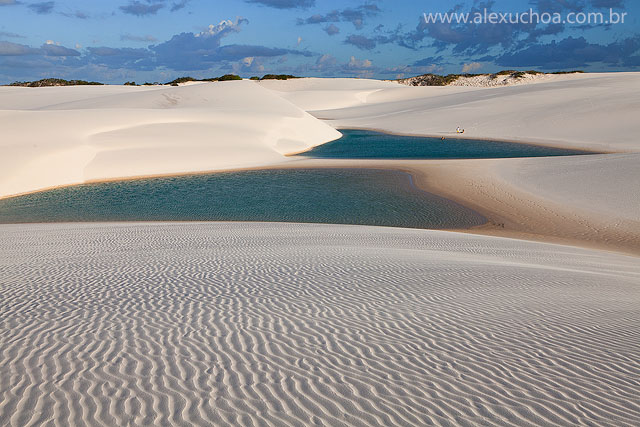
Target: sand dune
<point>609,182</point>
<point>57,136</point>
<point>318,94</point>
<point>595,111</point>
<point>284,324</point>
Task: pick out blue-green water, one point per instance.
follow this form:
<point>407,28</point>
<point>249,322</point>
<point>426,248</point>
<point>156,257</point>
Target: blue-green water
<point>361,144</point>
<point>336,196</point>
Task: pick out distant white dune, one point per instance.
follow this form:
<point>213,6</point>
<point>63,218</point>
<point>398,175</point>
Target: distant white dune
<point>592,111</point>
<point>489,80</point>
<point>285,324</point>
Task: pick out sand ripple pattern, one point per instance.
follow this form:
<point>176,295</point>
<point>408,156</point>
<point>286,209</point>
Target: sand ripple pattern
<point>285,324</point>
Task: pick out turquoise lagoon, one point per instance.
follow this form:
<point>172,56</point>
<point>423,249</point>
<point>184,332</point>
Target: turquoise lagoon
<point>362,144</point>
<point>336,196</point>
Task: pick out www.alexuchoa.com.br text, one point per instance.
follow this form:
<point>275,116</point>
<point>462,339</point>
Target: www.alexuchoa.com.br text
<point>529,17</point>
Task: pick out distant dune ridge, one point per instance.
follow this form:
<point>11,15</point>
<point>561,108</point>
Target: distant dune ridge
<point>502,78</point>
<point>589,111</point>
<point>285,324</point>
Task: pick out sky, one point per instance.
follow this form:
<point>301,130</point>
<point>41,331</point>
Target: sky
<point>159,40</point>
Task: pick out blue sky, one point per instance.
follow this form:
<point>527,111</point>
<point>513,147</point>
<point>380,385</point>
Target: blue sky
<point>158,40</point>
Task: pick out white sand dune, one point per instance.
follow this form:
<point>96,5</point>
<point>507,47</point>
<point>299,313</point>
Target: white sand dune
<point>609,183</point>
<point>285,324</point>
<point>593,111</point>
<point>69,135</point>
<point>318,94</point>
<point>584,200</point>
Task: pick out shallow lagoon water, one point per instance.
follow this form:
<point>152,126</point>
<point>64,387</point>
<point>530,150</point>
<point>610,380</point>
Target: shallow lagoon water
<point>336,196</point>
<point>363,144</point>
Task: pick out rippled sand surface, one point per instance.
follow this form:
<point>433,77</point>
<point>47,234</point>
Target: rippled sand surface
<point>285,324</point>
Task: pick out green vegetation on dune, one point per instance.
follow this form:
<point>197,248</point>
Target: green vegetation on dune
<point>569,72</point>
<point>439,80</point>
<point>229,77</point>
<point>278,77</point>
<point>181,80</point>
<point>224,78</point>
<point>143,84</point>
<point>56,82</point>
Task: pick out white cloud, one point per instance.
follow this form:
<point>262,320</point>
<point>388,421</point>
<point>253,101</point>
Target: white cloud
<point>327,64</point>
<point>326,60</point>
<point>362,68</point>
<point>226,26</point>
<point>357,64</point>
<point>248,64</point>
<point>473,66</point>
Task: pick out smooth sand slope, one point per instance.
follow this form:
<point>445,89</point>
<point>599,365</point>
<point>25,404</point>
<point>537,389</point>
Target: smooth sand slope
<point>612,181</point>
<point>69,135</point>
<point>285,324</point>
<point>588,200</point>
